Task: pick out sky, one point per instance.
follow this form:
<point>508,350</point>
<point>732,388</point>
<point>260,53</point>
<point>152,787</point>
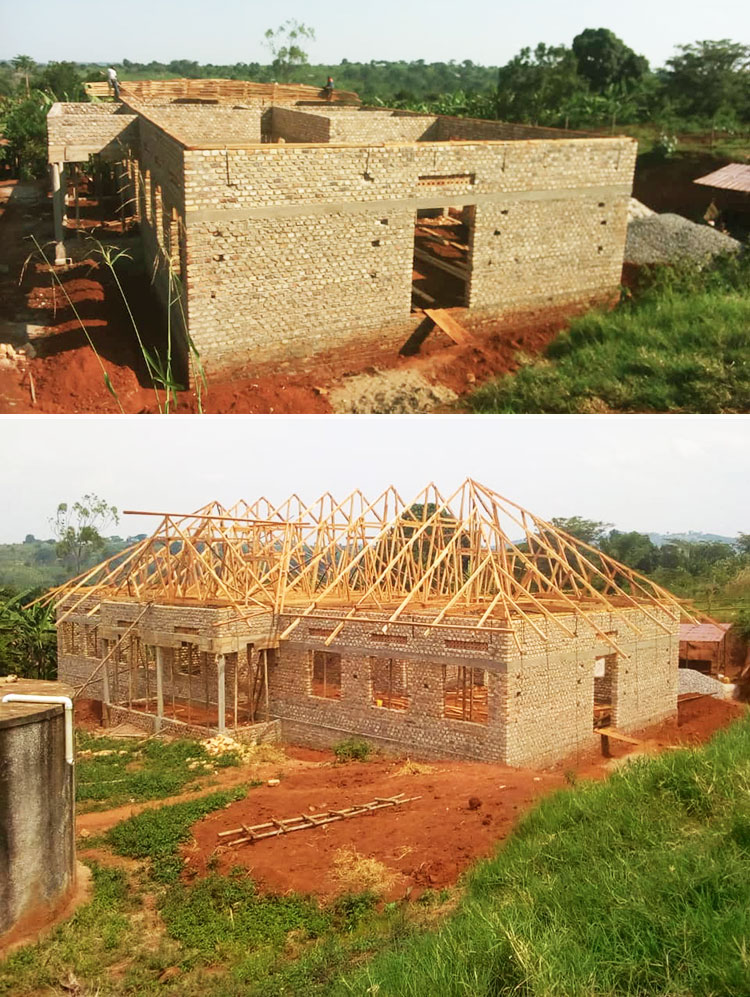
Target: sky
<point>668,474</point>
<point>228,31</point>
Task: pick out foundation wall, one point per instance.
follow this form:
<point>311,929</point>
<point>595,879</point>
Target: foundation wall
<point>266,732</point>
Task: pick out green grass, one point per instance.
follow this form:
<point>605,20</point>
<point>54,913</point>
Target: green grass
<point>157,834</point>
<point>681,345</point>
<point>97,935</point>
<point>633,887</point>
<point>138,771</point>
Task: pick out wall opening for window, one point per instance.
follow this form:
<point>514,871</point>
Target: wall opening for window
<point>604,673</point>
<point>465,693</point>
<point>326,675</point>
<point>388,678</point>
<point>442,253</point>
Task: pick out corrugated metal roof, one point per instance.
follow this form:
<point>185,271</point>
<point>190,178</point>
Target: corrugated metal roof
<point>735,176</point>
<point>707,633</point>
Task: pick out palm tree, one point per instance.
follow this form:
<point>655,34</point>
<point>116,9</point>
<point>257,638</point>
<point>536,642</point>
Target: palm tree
<point>25,65</point>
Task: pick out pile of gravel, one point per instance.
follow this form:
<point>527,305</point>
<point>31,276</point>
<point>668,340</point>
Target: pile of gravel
<point>637,209</point>
<point>692,681</point>
<point>671,238</point>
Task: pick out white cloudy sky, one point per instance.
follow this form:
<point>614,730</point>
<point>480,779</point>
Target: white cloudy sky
<point>666,474</point>
<point>229,31</point>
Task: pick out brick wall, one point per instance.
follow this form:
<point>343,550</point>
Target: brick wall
<point>540,700</point>
<point>298,251</point>
<point>550,690</point>
<point>298,126</point>
<point>421,731</point>
<point>77,131</point>
<point>206,124</point>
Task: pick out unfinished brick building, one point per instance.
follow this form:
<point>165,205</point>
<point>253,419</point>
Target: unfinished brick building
<point>292,228</point>
<point>419,625</point>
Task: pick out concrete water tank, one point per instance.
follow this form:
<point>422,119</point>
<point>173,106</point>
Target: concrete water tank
<point>37,816</point>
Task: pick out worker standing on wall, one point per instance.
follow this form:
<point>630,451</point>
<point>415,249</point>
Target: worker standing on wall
<point>329,87</point>
<point>113,82</point>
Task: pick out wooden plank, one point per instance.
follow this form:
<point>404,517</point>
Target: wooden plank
<point>456,271</point>
<point>451,327</point>
<point>616,735</point>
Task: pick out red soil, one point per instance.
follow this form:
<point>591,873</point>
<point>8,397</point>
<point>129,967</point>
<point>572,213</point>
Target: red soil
<point>68,377</point>
<point>427,843</point>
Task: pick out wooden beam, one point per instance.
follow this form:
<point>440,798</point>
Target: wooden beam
<point>445,321</point>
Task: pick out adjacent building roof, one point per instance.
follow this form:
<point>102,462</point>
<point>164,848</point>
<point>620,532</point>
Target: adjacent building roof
<point>703,633</point>
<point>735,176</point>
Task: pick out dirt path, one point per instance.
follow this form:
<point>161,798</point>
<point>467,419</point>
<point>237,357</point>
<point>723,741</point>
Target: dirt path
<point>99,821</point>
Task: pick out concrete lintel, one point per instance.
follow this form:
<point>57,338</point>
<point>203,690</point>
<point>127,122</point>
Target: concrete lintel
<point>197,215</point>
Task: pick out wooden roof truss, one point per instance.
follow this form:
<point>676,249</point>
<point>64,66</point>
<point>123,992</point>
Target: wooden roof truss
<point>470,560</point>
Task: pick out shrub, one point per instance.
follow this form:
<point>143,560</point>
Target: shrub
<point>354,749</point>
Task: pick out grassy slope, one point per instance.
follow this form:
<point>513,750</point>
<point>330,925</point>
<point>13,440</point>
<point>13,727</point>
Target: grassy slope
<point>631,887</point>
<point>682,346</point>
<point>637,886</point>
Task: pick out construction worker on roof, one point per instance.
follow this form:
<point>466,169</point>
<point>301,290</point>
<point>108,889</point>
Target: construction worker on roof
<point>113,82</point>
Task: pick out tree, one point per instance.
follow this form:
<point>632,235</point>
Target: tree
<point>23,125</point>
<point>636,550</point>
<point>743,542</point>
<point>603,59</point>
<point>283,43</point>
<point>590,531</point>
<point>78,528</point>
<point>710,77</point>
<point>533,87</point>
<point>24,65</point>
<point>62,80</point>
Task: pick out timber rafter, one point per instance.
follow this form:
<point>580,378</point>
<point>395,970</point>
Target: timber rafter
<point>471,559</point>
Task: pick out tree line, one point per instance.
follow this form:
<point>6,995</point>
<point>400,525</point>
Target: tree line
<point>597,81</point>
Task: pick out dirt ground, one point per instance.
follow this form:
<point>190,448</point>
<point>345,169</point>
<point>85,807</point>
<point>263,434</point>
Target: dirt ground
<point>465,809</point>
<point>62,374</point>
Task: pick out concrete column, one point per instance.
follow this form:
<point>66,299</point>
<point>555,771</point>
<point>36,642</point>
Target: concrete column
<point>222,697</point>
<point>105,684</point>
<point>159,688</point>
<point>57,173</point>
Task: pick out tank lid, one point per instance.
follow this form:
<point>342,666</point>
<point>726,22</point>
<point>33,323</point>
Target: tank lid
<point>14,714</point>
